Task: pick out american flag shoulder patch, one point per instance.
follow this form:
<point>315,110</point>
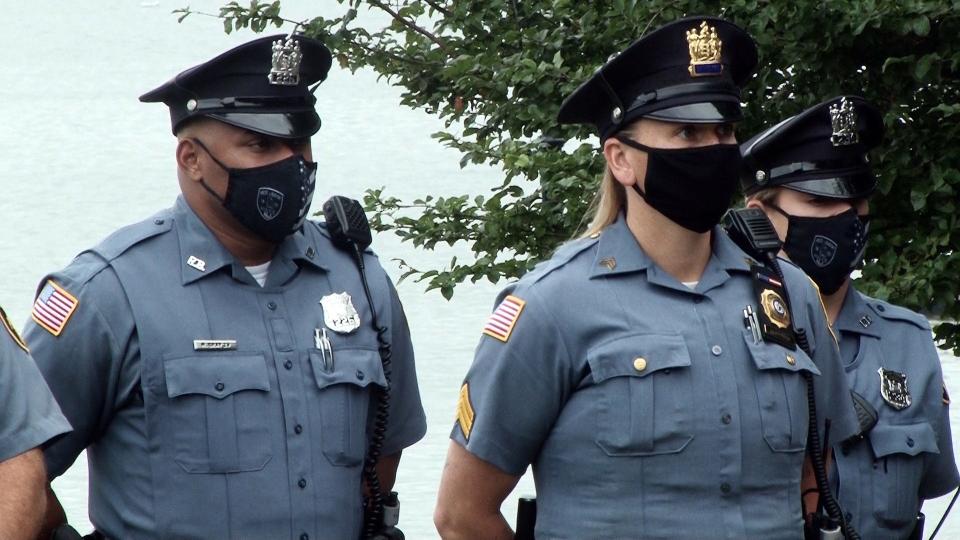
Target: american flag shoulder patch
<point>53,307</point>
<point>501,322</point>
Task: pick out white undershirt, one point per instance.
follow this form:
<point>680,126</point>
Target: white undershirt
<point>259,272</point>
<point>691,284</point>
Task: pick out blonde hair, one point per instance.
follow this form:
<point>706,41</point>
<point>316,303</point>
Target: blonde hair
<point>606,205</point>
<point>765,195</point>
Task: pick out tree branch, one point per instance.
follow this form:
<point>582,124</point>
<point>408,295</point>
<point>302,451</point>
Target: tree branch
<point>438,7</point>
<point>422,31</point>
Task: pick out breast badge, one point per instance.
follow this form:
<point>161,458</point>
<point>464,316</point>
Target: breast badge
<point>893,388</point>
<point>339,314</point>
<point>773,319</point>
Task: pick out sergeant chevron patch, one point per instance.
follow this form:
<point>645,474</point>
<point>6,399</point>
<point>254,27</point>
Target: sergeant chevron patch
<point>465,411</point>
<point>16,337</point>
<point>502,320</point>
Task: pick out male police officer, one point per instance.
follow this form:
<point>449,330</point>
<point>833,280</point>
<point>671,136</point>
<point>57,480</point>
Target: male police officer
<point>811,175</point>
<point>217,359</point>
<point>29,417</point>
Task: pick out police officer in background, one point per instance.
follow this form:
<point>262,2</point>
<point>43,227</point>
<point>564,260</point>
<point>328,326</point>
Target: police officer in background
<point>811,175</point>
<point>622,368</point>
<point>29,418</point>
<point>217,359</point>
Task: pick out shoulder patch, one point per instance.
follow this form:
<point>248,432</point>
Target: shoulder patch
<point>53,307</point>
<point>16,336</point>
<point>893,312</point>
<point>501,322</point>
<point>465,411</point>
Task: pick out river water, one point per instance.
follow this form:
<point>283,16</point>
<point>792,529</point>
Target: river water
<point>81,157</point>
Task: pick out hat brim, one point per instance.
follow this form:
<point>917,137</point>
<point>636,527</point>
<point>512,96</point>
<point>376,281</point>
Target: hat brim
<point>285,125</point>
<point>711,112</point>
<point>856,186</point>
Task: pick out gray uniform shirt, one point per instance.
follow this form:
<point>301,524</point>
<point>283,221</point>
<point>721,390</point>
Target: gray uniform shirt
<point>29,416</point>
<point>260,440</point>
<point>908,455</point>
<point>646,408</point>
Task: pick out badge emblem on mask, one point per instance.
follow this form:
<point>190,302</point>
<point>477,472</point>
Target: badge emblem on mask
<point>339,314</point>
<point>822,251</point>
<point>893,388</point>
<point>269,203</point>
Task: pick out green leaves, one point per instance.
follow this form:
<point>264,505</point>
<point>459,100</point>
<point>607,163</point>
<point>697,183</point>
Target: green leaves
<point>496,72</point>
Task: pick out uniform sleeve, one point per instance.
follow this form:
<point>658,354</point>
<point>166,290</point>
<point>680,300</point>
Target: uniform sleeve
<point>407,422</point>
<point>831,389</point>
<point>82,364</point>
<point>517,385</point>
<point>940,470</point>
<point>29,416</point>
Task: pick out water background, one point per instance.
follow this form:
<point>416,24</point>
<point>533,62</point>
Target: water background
<point>80,157</point>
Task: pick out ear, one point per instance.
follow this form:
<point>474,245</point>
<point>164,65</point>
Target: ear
<point>615,153</point>
<point>755,203</point>
<point>188,159</point>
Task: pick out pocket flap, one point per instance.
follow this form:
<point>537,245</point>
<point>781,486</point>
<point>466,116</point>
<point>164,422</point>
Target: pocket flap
<point>216,376</point>
<point>638,356</point>
<point>910,439</point>
<point>360,367</point>
<point>773,356</point>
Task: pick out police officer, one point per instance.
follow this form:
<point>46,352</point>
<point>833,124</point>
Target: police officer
<point>811,175</point>
<point>29,417</point>
<point>621,368</point>
<point>218,360</point>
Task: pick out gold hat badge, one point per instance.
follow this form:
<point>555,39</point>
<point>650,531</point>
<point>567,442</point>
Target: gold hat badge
<point>705,48</point>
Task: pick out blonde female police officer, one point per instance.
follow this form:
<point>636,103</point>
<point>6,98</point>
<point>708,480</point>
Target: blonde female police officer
<point>621,368</point>
<point>811,175</point>
<point>190,350</point>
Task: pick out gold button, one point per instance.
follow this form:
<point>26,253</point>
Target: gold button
<point>791,360</point>
<point>640,363</point>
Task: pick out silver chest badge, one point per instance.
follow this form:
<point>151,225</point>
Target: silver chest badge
<point>893,388</point>
<point>339,314</point>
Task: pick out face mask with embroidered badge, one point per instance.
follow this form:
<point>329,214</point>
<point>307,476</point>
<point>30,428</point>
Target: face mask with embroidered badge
<point>692,187</point>
<point>271,200</point>
<point>826,248</point>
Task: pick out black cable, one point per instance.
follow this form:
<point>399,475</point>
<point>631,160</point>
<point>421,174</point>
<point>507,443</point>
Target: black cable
<point>813,434</point>
<point>374,500</point>
<point>945,514</point>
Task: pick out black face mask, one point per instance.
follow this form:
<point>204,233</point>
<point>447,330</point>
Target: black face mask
<point>828,248</point>
<point>273,200</point>
<point>692,187</point>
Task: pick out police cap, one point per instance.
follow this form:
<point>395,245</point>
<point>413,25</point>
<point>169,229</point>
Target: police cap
<point>263,85</point>
<point>688,71</point>
<point>821,151</point>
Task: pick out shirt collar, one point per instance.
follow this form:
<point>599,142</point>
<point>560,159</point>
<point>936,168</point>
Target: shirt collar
<point>856,316</point>
<point>619,253</point>
<point>201,254</point>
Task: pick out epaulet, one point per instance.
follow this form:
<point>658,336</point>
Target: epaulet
<point>123,239</point>
<point>563,255</point>
<point>321,228</point>
<point>893,312</point>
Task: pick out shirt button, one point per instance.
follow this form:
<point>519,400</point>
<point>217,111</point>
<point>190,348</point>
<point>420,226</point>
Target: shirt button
<point>716,350</point>
<point>881,308</point>
<point>360,375</point>
<point>698,299</point>
<point>725,487</point>
<point>271,305</point>
<point>219,386</point>
<point>302,483</point>
<point>640,363</point>
<point>910,442</point>
<point>726,419</point>
<point>310,254</point>
<point>304,536</point>
<point>158,222</point>
<point>298,429</point>
<point>791,360</point>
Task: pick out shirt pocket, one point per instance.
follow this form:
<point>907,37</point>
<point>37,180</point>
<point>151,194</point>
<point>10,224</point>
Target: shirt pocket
<point>898,469</point>
<point>782,394</point>
<point>644,390</point>
<point>217,412</point>
<point>344,386</point>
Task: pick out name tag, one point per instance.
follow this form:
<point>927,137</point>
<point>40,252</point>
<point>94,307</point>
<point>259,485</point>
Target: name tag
<point>214,344</point>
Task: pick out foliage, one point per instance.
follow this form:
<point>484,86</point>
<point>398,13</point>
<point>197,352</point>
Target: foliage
<point>497,70</point>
